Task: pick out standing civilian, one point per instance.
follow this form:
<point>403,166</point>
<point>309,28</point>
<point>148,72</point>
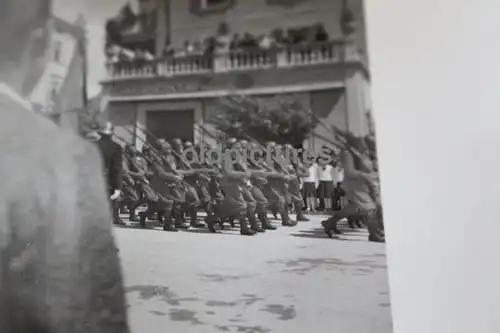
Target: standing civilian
<point>310,185</point>
<point>325,178</point>
<point>338,178</point>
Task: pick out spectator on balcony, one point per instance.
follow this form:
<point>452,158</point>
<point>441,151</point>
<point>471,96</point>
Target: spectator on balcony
<point>223,39</point>
<point>209,45</point>
<point>249,41</point>
<point>111,52</point>
<point>321,35</point>
<point>148,56</point>
<point>197,48</point>
<point>168,51</point>
<point>189,47</point>
<point>235,42</point>
<point>266,42</point>
<point>279,37</point>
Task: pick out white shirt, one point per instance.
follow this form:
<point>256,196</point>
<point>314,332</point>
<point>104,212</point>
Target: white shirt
<point>338,175</point>
<point>325,173</point>
<point>313,174</point>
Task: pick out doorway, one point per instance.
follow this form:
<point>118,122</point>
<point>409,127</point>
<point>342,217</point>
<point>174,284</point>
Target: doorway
<point>170,124</point>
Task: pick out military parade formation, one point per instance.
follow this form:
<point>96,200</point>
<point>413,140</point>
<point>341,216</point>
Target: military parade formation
<point>242,192</point>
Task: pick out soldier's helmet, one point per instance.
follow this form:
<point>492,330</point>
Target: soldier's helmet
<point>188,144</point>
<point>243,143</point>
<point>231,142</point>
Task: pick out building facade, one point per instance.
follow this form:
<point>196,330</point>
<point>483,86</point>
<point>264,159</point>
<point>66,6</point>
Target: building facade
<point>58,76</point>
<point>174,93</point>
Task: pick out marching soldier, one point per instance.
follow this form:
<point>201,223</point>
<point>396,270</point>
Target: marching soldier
<point>192,201</point>
<point>161,180</point>
<point>234,179</point>
<point>247,188</point>
<point>361,186</point>
<point>177,186</point>
<point>112,155</point>
<point>260,174</point>
<point>296,170</point>
<point>276,189</point>
<point>207,173</point>
<point>136,179</point>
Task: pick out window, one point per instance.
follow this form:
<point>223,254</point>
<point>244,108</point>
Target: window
<point>57,51</point>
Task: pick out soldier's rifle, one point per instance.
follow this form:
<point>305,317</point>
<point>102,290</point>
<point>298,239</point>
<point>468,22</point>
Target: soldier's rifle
<point>126,142</point>
<point>202,174</point>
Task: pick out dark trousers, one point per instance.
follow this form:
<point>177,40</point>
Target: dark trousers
<point>115,207</point>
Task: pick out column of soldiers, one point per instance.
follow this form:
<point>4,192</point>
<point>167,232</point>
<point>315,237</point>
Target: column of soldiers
<point>243,190</point>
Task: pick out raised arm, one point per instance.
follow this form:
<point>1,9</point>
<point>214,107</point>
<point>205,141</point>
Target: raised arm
<point>348,163</point>
<point>158,168</point>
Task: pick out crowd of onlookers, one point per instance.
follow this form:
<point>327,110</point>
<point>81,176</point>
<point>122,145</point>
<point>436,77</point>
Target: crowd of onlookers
<point>322,189</point>
<point>225,41</point>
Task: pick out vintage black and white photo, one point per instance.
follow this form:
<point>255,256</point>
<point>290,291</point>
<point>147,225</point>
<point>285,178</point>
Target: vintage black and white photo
<point>189,166</point>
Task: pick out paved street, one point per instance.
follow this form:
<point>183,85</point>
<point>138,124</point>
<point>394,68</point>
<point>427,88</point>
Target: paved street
<point>292,280</point>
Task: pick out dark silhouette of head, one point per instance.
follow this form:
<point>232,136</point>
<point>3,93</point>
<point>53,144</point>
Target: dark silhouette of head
<point>177,145</point>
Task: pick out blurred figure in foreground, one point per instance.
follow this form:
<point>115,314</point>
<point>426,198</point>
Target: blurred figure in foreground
<point>59,268</point>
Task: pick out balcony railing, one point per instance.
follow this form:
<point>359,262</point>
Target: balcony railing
<point>241,60</point>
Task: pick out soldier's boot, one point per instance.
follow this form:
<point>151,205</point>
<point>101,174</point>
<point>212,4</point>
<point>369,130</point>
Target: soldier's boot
<point>179,223</point>
<point>211,218</point>
<point>132,217</point>
<point>330,226</point>
<point>244,228</point>
<point>143,216</point>
<point>160,216</point>
<point>360,223</point>
<point>351,221</point>
<point>218,215</point>
<point>285,219</point>
<point>193,213</point>
<point>168,224</point>
<point>116,217</point>
<point>266,225</point>
<point>300,212</point>
<point>254,223</point>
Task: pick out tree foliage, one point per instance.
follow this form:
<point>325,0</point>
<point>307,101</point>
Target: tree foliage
<point>280,119</point>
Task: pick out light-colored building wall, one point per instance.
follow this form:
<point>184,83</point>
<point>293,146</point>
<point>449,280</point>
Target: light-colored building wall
<point>58,61</point>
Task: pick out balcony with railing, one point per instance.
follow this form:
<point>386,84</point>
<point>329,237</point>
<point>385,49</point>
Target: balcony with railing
<point>333,52</point>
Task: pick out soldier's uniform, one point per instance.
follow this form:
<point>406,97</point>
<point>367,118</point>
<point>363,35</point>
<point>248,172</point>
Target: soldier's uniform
<point>234,204</point>
<point>177,188</point>
<point>161,182</point>
<point>259,181</point>
<point>112,156</point>
<point>192,201</point>
<point>130,195</point>
<point>276,192</point>
<point>203,190</point>
<point>294,190</point>
<point>136,168</point>
<point>362,191</point>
